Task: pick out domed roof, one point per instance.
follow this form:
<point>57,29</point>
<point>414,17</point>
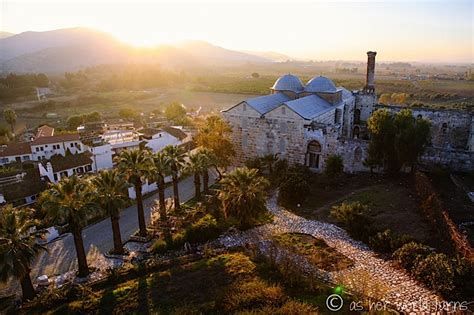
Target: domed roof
<point>320,84</point>
<point>288,82</point>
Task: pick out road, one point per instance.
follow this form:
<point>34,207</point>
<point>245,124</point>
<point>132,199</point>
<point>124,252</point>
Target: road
<point>61,255</point>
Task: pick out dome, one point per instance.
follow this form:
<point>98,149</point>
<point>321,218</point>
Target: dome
<point>320,84</point>
<point>288,82</point>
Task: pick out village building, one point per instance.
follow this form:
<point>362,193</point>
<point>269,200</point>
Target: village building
<point>306,123</point>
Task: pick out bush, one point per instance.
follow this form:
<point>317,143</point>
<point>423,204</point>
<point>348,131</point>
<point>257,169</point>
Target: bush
<point>334,166</point>
<point>202,230</point>
<point>410,254</point>
<point>159,247</point>
<point>294,189</point>
<point>463,279</point>
<point>354,219</point>
<point>436,271</point>
<point>387,241</point>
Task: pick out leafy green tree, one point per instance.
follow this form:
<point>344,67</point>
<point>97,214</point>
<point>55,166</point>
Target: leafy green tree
<point>397,140</point>
<point>214,135</point>
<point>162,169</point>
<point>111,194</point>
<point>74,121</point>
<point>5,135</point>
<point>70,201</point>
<point>92,117</point>
<point>176,161</point>
<point>175,112</point>
<point>10,117</point>
<point>242,194</point>
<point>128,113</point>
<point>137,166</point>
<point>334,166</point>
<point>18,247</point>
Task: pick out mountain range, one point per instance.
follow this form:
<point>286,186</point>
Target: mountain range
<point>75,48</point>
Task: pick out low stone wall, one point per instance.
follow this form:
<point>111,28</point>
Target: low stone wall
<point>435,211</point>
<point>457,160</point>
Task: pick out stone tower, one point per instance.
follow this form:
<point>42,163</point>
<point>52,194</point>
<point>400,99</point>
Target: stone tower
<point>370,80</point>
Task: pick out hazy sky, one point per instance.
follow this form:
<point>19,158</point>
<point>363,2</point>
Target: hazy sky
<point>397,30</point>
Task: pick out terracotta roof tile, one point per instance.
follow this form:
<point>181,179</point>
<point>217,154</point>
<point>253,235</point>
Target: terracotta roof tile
<point>55,139</point>
<point>12,149</point>
<point>45,131</point>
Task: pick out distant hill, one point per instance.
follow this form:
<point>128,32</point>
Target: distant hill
<point>74,48</point>
<point>5,34</point>
<point>270,55</point>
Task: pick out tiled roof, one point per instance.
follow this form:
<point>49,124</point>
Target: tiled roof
<point>175,132</point>
<point>55,139</point>
<point>31,184</point>
<point>13,149</point>
<point>309,106</point>
<point>148,131</point>
<point>61,163</point>
<point>45,131</point>
<point>264,104</point>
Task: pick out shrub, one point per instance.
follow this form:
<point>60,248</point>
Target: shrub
<point>250,294</point>
<point>334,166</point>
<point>410,254</point>
<point>463,279</point>
<point>387,241</point>
<point>294,189</point>
<point>436,271</point>
<point>354,219</point>
<point>202,230</point>
<point>159,247</point>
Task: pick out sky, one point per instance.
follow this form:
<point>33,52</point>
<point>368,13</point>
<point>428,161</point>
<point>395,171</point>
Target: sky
<point>429,31</point>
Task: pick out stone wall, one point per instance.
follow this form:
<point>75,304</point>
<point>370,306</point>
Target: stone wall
<point>450,129</point>
<point>365,102</point>
<point>457,160</point>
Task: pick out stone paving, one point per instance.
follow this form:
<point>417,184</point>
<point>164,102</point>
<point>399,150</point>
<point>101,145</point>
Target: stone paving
<point>401,291</point>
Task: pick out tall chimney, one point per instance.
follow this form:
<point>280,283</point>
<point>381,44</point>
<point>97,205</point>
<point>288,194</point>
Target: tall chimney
<point>370,84</point>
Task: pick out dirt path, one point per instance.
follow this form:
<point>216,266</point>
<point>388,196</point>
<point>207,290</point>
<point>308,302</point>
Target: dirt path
<point>400,290</point>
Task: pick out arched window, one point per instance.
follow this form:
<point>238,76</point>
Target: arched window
<point>244,123</point>
<point>282,146</point>
<point>357,116</point>
<point>444,128</point>
<point>419,116</point>
<point>337,116</point>
<point>356,132</point>
<point>283,110</point>
<point>283,127</point>
<point>244,140</point>
<point>313,154</point>
<point>244,107</point>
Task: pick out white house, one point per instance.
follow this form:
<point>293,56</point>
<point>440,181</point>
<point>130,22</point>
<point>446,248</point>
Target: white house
<point>45,147</point>
<point>64,166</point>
<point>21,187</point>
<point>15,152</point>
<point>157,139</point>
<point>102,156</point>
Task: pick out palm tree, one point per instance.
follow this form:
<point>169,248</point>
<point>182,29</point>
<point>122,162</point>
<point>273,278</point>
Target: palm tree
<point>111,195</point>
<point>242,194</point>
<point>162,169</point>
<point>137,166</point>
<point>195,166</point>
<point>207,160</point>
<point>18,247</point>
<point>175,157</point>
<point>70,201</point>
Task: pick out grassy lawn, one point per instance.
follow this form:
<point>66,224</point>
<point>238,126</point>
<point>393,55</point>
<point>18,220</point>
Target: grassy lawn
<point>315,250</point>
<point>229,283</point>
<point>392,203</point>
